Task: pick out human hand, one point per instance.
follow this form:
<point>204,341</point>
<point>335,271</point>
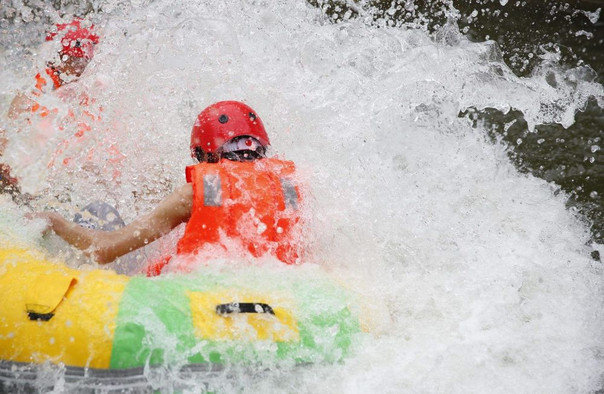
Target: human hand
<point>49,218</point>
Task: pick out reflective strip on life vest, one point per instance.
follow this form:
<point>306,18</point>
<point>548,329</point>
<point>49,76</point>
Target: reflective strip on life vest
<point>289,193</point>
<point>212,191</point>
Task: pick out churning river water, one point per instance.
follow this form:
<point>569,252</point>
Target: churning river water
<point>450,174</point>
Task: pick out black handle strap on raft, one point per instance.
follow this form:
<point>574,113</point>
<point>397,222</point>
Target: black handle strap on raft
<point>243,307</point>
<point>40,316</point>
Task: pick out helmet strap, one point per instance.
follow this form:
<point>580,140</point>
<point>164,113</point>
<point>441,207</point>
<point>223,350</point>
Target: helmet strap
<point>204,157</point>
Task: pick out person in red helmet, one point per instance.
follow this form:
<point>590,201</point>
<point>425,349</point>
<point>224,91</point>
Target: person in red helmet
<point>65,133</point>
<point>236,200</point>
<point>77,48</point>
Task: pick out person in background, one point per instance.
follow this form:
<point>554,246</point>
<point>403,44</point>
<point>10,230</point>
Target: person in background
<point>77,49</point>
<point>236,202</point>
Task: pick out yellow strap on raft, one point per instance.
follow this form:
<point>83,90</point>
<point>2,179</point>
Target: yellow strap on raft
<point>46,291</point>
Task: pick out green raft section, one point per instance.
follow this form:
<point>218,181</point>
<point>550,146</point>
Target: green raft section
<point>217,316</point>
<point>159,320</point>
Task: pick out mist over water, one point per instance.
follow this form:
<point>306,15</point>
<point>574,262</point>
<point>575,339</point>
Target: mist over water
<point>481,277</point>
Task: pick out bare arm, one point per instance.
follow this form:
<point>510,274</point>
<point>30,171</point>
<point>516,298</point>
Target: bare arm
<point>21,103</point>
<point>106,246</point>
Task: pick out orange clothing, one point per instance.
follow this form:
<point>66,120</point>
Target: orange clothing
<point>41,81</point>
<point>41,88</point>
<point>79,121</point>
<point>254,205</point>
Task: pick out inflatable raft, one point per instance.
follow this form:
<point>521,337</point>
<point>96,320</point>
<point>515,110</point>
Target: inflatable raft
<point>98,320</point>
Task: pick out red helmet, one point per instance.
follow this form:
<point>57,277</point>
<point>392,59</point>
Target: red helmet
<point>77,41</point>
<point>223,121</point>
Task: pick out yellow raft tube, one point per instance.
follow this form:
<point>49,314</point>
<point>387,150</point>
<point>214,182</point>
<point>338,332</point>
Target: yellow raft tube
<point>100,320</point>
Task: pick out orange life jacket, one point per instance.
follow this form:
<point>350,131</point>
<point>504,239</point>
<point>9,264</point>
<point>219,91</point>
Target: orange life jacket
<point>41,81</point>
<point>254,205</point>
<point>41,88</point>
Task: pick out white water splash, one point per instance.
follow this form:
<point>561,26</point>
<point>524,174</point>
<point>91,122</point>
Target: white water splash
<point>484,272</point>
<point>592,16</point>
